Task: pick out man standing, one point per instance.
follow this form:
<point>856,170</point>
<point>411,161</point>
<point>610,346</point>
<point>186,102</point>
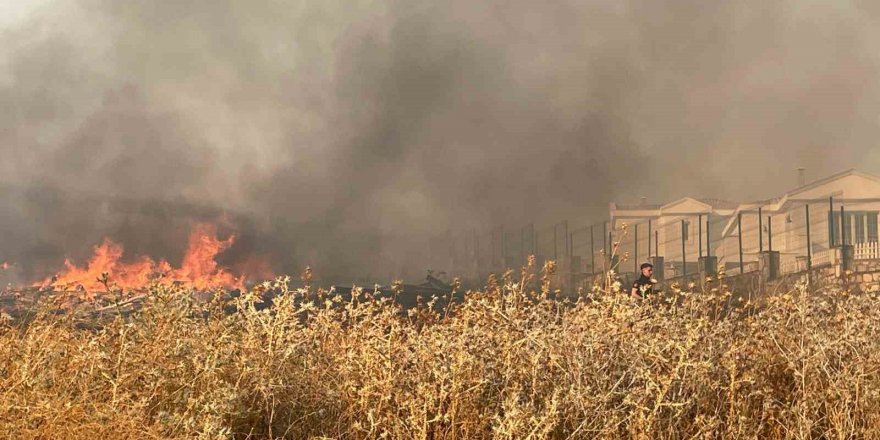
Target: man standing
<point>644,286</point>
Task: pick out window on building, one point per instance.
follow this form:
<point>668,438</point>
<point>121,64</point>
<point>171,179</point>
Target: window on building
<point>858,227</point>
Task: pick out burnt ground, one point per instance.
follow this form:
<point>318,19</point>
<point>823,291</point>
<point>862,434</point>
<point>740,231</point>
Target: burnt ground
<point>19,305</point>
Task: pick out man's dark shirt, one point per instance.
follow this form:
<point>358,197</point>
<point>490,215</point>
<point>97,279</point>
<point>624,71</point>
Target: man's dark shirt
<point>643,281</point>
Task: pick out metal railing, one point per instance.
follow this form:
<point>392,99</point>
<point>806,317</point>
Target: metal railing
<point>748,266</point>
<point>824,257</point>
<point>867,251</point>
<point>792,265</point>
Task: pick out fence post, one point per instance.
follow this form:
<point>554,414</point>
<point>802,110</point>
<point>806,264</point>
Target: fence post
<point>535,241</point>
<point>684,270</point>
<point>739,218</point>
<point>830,222</point>
<point>592,252</point>
<point>534,237</point>
<point>700,234</point>
<point>708,238</point>
<point>809,245</point>
<point>770,259</point>
<point>606,239</point>
<point>760,231</point>
<point>565,236</point>
<point>659,263</point>
<point>610,243</point>
<point>656,243</point>
<point>636,249</point>
<point>555,242</point>
<point>846,250</point>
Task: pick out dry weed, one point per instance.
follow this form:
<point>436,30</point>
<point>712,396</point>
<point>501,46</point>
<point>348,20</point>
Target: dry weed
<point>512,361</point>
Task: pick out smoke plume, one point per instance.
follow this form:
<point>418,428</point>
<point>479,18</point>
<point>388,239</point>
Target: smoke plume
<point>348,135</point>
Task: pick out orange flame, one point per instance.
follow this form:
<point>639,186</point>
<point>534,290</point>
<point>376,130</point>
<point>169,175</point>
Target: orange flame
<point>198,269</point>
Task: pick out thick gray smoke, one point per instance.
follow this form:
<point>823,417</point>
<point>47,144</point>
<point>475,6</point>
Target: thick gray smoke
<point>345,134</point>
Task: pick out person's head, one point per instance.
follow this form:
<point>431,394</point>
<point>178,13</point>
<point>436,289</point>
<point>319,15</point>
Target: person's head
<point>647,269</point>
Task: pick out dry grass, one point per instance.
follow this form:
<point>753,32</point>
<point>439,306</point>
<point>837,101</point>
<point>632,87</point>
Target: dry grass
<point>510,361</point>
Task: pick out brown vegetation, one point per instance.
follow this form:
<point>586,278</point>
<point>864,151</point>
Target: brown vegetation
<point>511,361</point>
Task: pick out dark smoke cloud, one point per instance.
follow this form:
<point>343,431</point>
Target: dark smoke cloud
<point>350,135</point>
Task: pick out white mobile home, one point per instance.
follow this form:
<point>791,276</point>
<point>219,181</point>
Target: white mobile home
<point>783,222</point>
<point>680,231</point>
<point>736,233</point>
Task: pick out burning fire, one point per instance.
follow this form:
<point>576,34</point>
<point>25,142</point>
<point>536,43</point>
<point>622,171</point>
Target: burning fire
<point>198,270</point>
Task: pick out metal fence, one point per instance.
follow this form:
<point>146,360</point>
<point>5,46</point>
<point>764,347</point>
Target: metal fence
<point>804,236</point>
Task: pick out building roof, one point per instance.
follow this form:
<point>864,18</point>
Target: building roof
<point>714,203</point>
<point>831,178</point>
<point>803,193</point>
<point>638,207</point>
<point>720,203</point>
<point>691,206</point>
<point>682,206</point>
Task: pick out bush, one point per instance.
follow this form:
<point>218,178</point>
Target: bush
<point>509,361</point>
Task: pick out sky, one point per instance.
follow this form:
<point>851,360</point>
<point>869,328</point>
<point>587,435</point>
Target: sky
<point>351,134</point>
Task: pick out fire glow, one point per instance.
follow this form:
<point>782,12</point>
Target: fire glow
<point>198,270</point>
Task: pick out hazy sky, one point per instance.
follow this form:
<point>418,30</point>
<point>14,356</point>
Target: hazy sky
<point>344,133</point>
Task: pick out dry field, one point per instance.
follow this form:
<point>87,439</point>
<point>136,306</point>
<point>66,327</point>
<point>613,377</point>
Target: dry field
<point>511,361</point>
